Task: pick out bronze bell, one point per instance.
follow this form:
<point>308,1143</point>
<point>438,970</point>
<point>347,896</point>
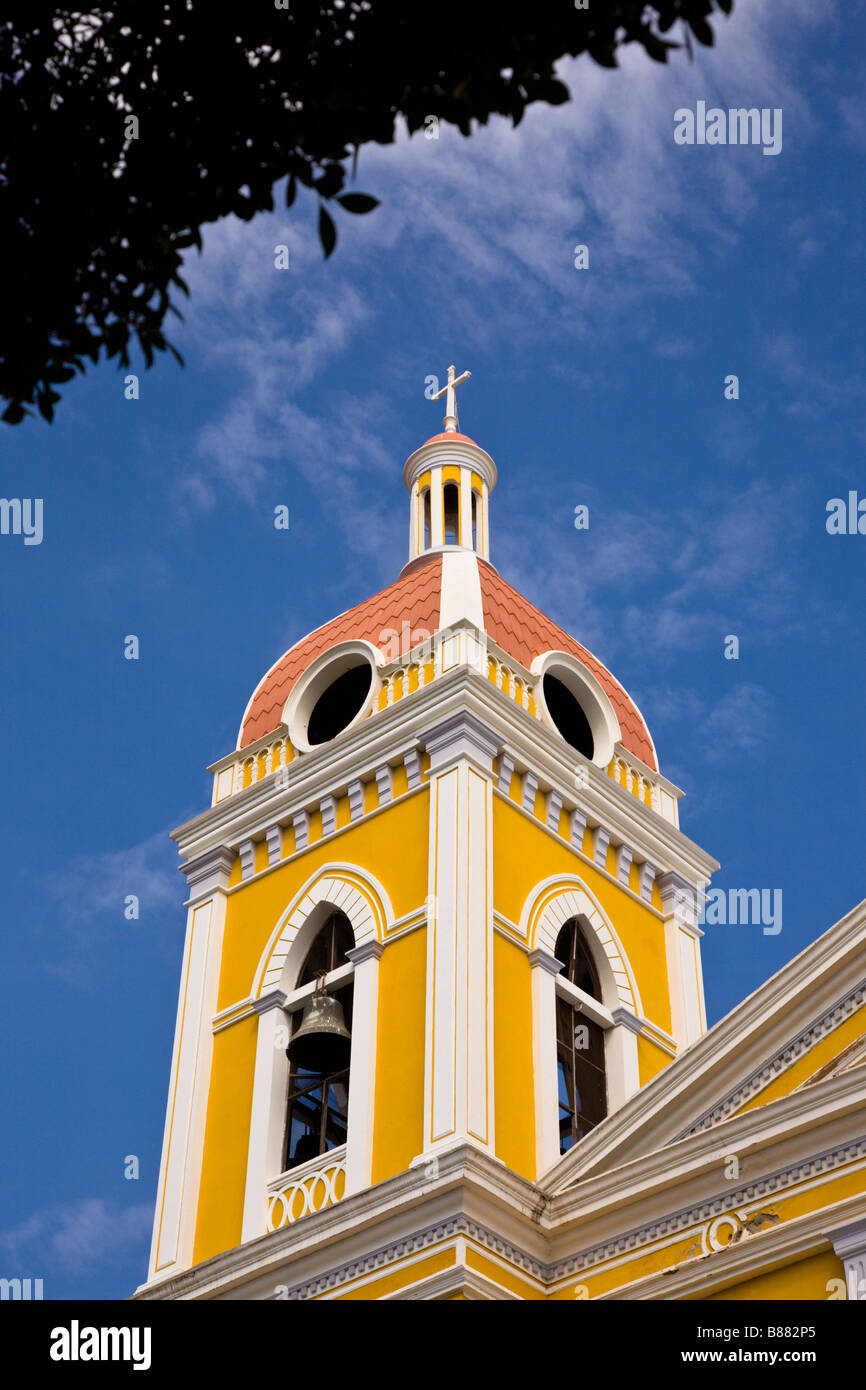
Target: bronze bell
<point>322,1042</point>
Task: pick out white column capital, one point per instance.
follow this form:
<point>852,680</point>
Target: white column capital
<point>273,998</point>
<point>209,872</point>
<point>368,950</point>
<point>463,736</point>
<point>849,1243</point>
<point>624,1018</point>
<point>539,959</point>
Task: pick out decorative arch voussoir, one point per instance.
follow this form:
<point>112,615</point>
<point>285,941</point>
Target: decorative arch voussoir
<point>556,901</point>
<point>347,888</point>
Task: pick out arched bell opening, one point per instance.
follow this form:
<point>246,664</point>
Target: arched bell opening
<point>319,1046</point>
<point>580,1039</point>
<point>451,513</point>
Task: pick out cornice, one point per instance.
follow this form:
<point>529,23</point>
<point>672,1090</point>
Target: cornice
<point>703,1275</point>
<point>699,1213</point>
<point>578,854</point>
<point>420,1211</point>
<point>440,452</point>
<point>477,1198</point>
<point>387,733</point>
<point>834,1107</point>
<point>781,1060</point>
<point>208,872</point>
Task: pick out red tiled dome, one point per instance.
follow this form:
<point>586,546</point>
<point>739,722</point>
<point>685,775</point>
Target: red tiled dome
<point>513,623</point>
<point>413,599</point>
<point>448,435</point>
<point>524,632</point>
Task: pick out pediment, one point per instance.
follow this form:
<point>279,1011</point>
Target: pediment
<point>806,1023</point>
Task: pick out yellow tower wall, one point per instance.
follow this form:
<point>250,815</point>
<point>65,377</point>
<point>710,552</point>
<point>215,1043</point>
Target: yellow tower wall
<point>391,845</point>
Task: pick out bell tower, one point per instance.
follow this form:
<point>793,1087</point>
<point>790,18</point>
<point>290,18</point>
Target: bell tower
<point>441,925</point>
<point>450,480</point>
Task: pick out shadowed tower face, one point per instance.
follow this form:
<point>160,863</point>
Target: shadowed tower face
<point>440,912</point>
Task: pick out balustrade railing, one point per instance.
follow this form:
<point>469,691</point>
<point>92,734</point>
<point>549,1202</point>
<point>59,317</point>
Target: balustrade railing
<point>319,1183</point>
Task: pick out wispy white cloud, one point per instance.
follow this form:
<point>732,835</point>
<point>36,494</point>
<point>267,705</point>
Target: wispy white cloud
<point>73,1238</point>
<point>491,222</point>
<point>738,722</point>
<point>87,899</point>
<point>702,567</point>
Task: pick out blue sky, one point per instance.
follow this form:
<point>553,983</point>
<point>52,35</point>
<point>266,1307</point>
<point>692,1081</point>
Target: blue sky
<point>306,387</point>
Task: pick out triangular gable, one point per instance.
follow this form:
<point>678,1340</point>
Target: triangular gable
<point>798,1024</point>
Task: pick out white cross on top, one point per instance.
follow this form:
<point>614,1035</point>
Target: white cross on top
<point>450,421</point>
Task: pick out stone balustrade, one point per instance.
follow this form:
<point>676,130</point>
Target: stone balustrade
<point>312,1186</point>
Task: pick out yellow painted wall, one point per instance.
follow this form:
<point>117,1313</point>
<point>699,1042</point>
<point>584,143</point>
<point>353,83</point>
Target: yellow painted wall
<point>651,1059</point>
<point>806,1279</point>
<point>398,1123</point>
<point>392,846</point>
<point>811,1061</point>
<point>224,1165</point>
<point>512,1057</point>
<point>410,1274</point>
<point>525,854</point>
<point>505,1275</point>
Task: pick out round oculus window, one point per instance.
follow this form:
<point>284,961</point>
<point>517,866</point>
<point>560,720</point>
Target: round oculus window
<point>568,716</point>
<point>339,703</point>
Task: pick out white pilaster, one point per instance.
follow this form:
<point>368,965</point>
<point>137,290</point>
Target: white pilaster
<point>183,1140</point>
<point>460,591</point>
<point>620,1057</point>
<point>545,968</point>
<point>362,1087</point>
<point>683,952</point>
<point>458,1104</point>
<point>414,523</point>
<point>466,507</point>
<point>485,523</point>
<point>267,1115</point>
<point>849,1243</point>
<point>437,518</point>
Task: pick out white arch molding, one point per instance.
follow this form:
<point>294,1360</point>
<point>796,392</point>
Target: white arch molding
<point>344,887</point>
<point>349,889</point>
<point>554,902</point>
<point>548,907</point>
